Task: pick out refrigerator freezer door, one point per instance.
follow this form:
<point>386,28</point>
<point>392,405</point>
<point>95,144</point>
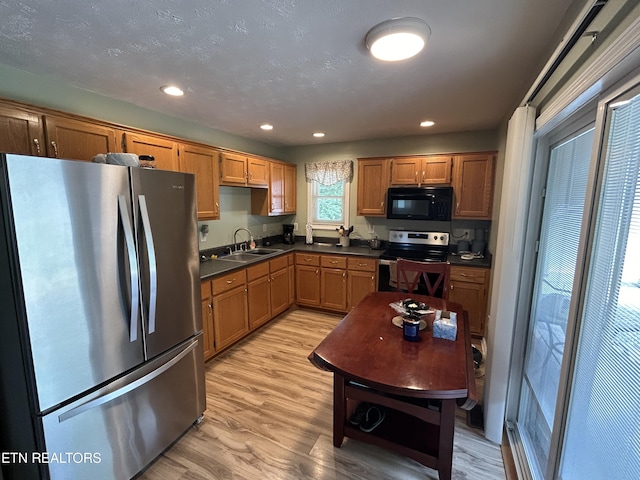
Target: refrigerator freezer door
<point>167,238</point>
<point>73,263</point>
<point>116,431</point>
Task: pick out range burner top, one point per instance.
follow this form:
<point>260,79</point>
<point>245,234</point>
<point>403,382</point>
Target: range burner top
<point>421,246</point>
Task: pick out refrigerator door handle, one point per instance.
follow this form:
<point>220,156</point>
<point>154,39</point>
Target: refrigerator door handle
<point>133,266</point>
<point>151,252</point>
<point>108,397</point>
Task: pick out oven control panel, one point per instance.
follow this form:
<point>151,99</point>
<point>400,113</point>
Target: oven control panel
<point>407,237</point>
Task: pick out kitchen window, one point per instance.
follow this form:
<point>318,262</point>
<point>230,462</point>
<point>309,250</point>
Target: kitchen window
<point>328,187</point>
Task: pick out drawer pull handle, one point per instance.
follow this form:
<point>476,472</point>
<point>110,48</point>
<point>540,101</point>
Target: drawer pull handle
<point>37,144</point>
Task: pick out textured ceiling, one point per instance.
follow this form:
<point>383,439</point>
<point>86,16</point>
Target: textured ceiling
<point>300,65</point>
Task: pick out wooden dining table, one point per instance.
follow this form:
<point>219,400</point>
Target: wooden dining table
<point>418,384</point>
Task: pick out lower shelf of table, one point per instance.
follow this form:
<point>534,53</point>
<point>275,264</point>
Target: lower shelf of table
<point>404,434</point>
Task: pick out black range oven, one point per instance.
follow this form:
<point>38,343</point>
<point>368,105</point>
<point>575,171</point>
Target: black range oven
<point>411,245</point>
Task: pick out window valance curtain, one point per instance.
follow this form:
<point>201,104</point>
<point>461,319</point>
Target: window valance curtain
<point>329,173</point>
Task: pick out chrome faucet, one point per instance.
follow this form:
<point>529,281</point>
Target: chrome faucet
<point>235,240</point>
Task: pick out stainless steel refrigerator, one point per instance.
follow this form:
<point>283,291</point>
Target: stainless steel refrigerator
<point>101,361</point>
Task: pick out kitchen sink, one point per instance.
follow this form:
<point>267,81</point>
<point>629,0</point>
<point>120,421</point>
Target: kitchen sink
<point>263,251</point>
<point>249,255</point>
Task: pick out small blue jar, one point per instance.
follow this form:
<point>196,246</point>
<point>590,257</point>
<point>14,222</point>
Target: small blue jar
<point>411,328</point>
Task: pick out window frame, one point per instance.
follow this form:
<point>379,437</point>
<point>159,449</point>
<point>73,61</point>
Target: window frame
<point>311,200</point>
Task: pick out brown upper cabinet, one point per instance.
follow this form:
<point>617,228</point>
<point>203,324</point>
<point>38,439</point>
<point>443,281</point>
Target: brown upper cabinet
<point>203,163</point>
<point>473,185</point>
<point>240,170</point>
<point>290,178</point>
<point>257,172</point>
<point>78,140</point>
<point>373,181</point>
<point>422,170</point>
<point>164,151</point>
<point>21,131</point>
<point>280,196</point>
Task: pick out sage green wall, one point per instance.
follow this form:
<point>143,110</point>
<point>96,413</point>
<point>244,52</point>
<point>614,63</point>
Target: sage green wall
<point>50,93</point>
<point>235,208</point>
<point>415,145</point>
<point>235,202</point>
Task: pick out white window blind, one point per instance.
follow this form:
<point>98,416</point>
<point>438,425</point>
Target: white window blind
<point>602,436</point>
<point>559,238</point>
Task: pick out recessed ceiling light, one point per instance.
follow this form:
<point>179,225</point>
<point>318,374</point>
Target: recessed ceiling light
<point>398,38</point>
<point>318,134</point>
<point>427,123</point>
<point>172,90</point>
<point>266,126</point>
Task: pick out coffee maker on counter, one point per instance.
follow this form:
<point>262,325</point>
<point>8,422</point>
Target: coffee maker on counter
<point>288,237</point>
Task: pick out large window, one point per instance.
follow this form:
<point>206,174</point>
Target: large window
<point>602,436</point>
<point>564,199</point>
<point>328,193</point>
<point>328,204</point>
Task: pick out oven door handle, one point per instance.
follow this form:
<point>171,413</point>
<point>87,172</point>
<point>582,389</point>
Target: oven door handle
<point>383,261</point>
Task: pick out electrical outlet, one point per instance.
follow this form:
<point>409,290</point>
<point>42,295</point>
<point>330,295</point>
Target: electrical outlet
<point>371,228</point>
<point>465,235</point>
<point>295,226</point>
<point>264,227</point>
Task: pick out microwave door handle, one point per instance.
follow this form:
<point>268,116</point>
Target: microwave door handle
<point>151,253</point>
<point>133,266</point>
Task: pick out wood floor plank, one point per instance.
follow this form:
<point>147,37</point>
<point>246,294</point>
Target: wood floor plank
<point>269,416</point>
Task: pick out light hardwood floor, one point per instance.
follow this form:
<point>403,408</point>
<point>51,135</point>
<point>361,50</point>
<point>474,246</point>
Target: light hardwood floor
<point>269,416</point>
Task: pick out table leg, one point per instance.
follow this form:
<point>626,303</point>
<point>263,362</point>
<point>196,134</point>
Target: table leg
<point>447,427</point>
<point>339,410</point>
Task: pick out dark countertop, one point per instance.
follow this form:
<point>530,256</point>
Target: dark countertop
<point>211,268</point>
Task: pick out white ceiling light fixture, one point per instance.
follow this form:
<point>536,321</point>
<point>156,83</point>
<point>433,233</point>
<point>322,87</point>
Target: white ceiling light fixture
<point>172,90</point>
<point>318,134</point>
<point>427,123</point>
<point>266,126</point>
<point>398,38</point>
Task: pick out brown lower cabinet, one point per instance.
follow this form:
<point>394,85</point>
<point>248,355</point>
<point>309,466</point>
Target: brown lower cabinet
<point>469,286</point>
<point>237,303</point>
<point>334,282</point>
<point>207,320</point>
<point>279,285</point>
<point>230,312</point>
<point>258,294</point>
<point>362,279</point>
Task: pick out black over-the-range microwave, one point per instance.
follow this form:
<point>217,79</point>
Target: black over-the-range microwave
<point>420,203</point>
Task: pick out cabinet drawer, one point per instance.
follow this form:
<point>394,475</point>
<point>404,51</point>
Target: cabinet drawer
<point>228,281</point>
<point>332,261</point>
<point>468,274</point>
<point>205,289</point>
<point>363,264</point>
<point>278,263</point>
<point>257,271</point>
<point>307,259</point>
